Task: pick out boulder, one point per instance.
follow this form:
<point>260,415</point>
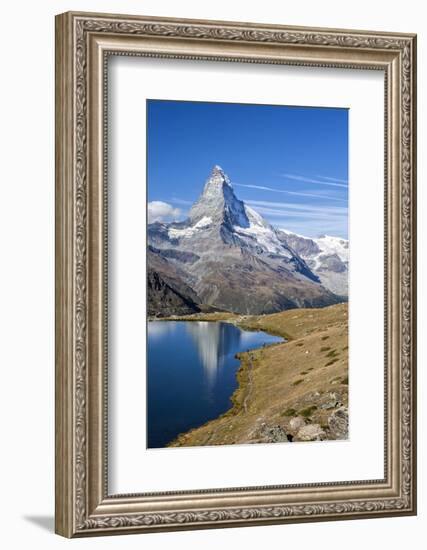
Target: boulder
<point>296,423</point>
<point>338,423</point>
<point>273,434</point>
<point>310,432</point>
<point>330,405</point>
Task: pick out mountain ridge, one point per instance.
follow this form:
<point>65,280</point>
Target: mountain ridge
<point>233,259</point>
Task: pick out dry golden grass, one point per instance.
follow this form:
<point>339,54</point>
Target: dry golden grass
<point>282,381</point>
<point>297,323</point>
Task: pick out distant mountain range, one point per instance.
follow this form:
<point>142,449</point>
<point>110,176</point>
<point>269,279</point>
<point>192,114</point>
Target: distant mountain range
<point>226,256</point>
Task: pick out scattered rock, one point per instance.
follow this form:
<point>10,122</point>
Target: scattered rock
<point>296,423</point>
<point>335,400</point>
<point>335,395</point>
<point>330,405</point>
<point>310,432</point>
<point>273,434</point>
<point>338,423</point>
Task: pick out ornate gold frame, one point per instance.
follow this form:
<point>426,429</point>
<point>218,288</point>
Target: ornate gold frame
<point>83,41</point>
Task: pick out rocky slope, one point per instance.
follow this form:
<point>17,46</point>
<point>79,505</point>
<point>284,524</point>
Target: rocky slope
<point>233,259</point>
<point>167,293</point>
<point>164,300</point>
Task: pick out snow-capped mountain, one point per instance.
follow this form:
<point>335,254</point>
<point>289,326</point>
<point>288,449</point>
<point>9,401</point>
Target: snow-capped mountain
<point>326,256</point>
<point>233,259</point>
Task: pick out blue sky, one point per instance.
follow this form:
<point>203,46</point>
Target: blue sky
<point>288,163</point>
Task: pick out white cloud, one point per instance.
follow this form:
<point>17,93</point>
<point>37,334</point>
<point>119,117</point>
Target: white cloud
<point>159,211</point>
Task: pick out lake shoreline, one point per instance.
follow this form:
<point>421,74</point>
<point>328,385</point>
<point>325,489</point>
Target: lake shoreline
<point>237,398</point>
<point>248,411</point>
<point>192,373</point>
<point>244,322</point>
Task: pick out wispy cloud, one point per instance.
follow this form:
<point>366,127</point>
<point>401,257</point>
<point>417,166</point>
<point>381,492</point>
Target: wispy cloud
<point>338,180</point>
<point>313,195</point>
<point>319,180</point>
<point>285,209</point>
<point>291,213</point>
<point>295,193</point>
<point>314,228</point>
<point>341,210</point>
<point>307,219</point>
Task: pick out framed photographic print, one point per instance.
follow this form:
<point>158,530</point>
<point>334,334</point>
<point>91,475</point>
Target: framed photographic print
<point>235,274</point>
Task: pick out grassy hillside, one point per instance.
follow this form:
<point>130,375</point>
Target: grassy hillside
<point>295,391</point>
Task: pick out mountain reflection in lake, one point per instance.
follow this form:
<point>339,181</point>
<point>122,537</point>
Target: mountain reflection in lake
<point>213,342</point>
<point>192,373</point>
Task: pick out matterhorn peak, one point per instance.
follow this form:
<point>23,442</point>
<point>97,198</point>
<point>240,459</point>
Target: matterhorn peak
<point>218,201</point>
<point>218,177</point>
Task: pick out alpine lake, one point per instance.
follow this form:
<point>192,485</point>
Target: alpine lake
<point>191,373</point>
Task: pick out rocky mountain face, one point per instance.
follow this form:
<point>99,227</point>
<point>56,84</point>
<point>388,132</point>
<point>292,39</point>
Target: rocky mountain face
<point>167,292</point>
<point>227,256</point>
<point>164,300</point>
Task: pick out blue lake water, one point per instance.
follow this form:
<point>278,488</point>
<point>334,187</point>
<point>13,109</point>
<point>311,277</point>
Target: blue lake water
<point>192,373</point>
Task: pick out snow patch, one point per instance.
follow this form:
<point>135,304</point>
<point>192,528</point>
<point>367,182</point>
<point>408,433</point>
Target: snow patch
<point>295,234</point>
<point>333,245</point>
<point>203,222</point>
<point>262,232</point>
<point>189,231</point>
<point>327,244</point>
<point>264,238</point>
<point>253,216</point>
